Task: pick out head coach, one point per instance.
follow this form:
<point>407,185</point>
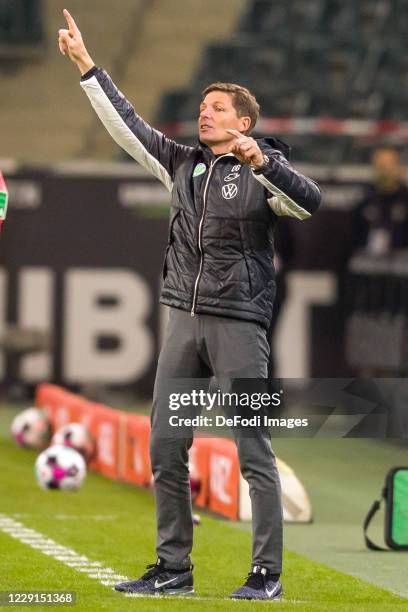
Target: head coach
<point>218,279</point>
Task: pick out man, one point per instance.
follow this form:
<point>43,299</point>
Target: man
<point>381,218</point>
<point>219,282</point>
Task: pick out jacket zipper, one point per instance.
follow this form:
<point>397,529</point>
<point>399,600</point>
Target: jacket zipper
<point>200,248</point>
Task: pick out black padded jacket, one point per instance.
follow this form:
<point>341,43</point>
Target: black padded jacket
<point>219,256</point>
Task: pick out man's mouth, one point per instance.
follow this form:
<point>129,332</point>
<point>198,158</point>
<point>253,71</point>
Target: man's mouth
<point>205,126</point>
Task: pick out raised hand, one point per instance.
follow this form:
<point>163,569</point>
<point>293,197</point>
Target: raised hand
<point>246,149</point>
<point>70,43</point>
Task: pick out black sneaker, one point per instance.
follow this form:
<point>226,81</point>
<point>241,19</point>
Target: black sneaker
<point>259,585</point>
<point>160,581</point>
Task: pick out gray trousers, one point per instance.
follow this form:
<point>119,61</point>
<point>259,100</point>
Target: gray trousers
<point>196,347</point>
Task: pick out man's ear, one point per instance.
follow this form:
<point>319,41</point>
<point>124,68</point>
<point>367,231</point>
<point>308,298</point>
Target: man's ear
<point>244,124</point>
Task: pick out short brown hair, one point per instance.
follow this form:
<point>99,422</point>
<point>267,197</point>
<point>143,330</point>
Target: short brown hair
<point>242,100</point>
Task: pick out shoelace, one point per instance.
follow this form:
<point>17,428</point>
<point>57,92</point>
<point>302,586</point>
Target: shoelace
<point>157,568</point>
<point>153,569</point>
<point>255,581</point>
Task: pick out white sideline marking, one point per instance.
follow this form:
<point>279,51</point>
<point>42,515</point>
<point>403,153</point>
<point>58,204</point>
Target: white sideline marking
<point>80,563</point>
<point>90,517</point>
<point>70,517</point>
<point>93,569</point>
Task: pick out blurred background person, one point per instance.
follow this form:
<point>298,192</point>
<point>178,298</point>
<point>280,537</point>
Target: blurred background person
<point>377,289</point>
<point>381,217</point>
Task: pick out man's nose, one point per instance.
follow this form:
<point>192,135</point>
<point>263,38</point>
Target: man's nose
<point>205,113</point>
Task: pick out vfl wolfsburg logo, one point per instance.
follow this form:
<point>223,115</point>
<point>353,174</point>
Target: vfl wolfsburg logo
<point>199,169</point>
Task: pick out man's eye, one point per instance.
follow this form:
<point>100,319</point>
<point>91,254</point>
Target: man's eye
<point>218,108</point>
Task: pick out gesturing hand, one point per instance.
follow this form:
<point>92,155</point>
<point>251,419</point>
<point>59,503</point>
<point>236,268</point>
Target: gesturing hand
<point>70,43</point>
<point>246,149</point>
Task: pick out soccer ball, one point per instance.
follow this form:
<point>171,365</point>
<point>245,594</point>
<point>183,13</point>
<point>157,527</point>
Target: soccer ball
<point>60,467</point>
<point>76,436</point>
<point>31,428</point>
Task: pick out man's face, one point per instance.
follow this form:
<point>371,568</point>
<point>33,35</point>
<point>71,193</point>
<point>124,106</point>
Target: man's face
<point>216,115</point>
<point>387,165</point>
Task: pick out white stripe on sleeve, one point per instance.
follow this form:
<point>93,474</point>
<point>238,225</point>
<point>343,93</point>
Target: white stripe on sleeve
<point>281,204</point>
<point>121,133</point>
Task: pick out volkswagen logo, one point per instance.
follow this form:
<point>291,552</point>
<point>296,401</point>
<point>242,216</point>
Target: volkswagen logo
<point>229,191</point>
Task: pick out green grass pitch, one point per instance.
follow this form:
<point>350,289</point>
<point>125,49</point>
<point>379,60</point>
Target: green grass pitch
<point>114,523</point>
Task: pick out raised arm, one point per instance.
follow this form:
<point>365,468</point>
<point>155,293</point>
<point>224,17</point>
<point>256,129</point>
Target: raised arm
<point>158,154</point>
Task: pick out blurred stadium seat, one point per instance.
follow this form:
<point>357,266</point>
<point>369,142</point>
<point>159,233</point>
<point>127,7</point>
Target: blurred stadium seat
<point>146,46</point>
<point>45,96</point>
<point>22,35</point>
<point>302,58</point>
<point>310,58</point>
<point>21,22</point>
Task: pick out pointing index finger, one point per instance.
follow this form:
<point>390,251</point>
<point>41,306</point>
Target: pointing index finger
<point>71,22</point>
<point>234,132</point>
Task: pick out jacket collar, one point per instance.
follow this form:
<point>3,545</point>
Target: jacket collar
<point>208,154</point>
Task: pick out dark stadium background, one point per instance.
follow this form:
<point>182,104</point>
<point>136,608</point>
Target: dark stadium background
<point>331,82</point>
